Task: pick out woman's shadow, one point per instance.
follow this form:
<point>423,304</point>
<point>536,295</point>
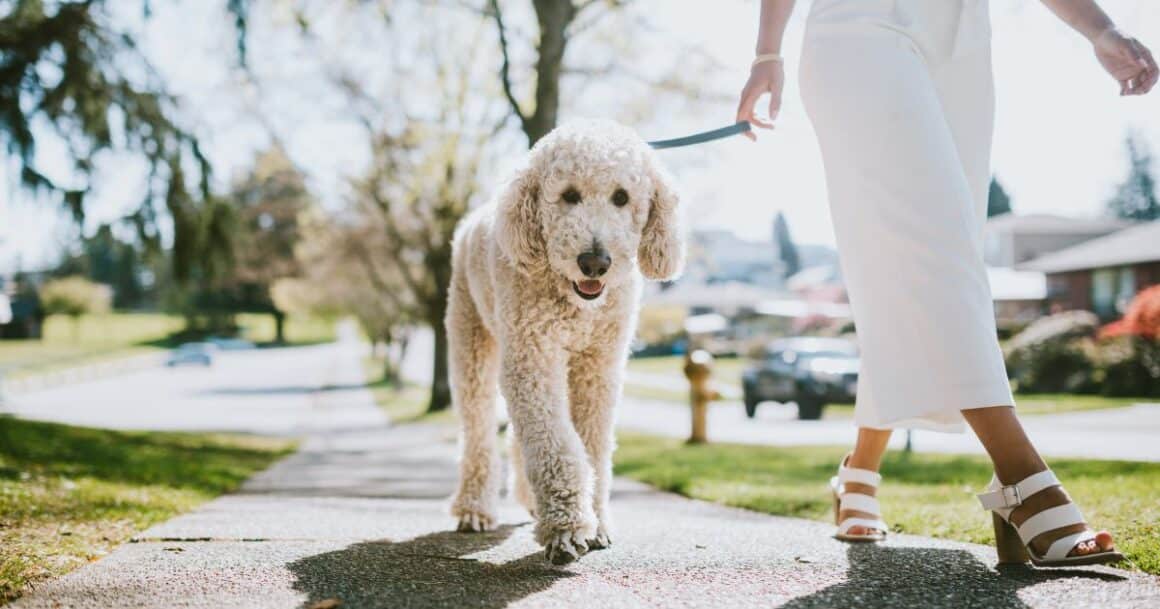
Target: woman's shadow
<point>885,576</point>
<point>428,571</point>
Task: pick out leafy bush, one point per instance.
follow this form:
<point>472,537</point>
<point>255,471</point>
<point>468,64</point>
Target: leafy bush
<point>1130,366</point>
<point>75,296</point>
<point>1049,355</point>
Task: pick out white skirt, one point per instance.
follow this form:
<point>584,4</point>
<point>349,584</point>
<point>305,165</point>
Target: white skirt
<point>901,97</point>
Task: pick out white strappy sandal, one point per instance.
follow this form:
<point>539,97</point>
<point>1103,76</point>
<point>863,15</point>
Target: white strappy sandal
<point>857,501</point>
<point>1013,544</point>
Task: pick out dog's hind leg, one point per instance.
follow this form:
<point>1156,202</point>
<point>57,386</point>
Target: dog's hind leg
<point>473,364</point>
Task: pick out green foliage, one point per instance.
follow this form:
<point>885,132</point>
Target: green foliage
<point>68,72</point>
<point>70,494</point>
<point>921,494</point>
<point>1135,199</point>
<point>118,263</point>
<point>75,296</point>
<point>786,250</point>
<point>1045,357</point>
<point>998,201</point>
<point>247,244</point>
<point>1131,366</point>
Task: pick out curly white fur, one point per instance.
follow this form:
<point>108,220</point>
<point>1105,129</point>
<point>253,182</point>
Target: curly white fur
<point>516,316</point>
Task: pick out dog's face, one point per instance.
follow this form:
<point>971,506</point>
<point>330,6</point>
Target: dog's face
<point>592,207</point>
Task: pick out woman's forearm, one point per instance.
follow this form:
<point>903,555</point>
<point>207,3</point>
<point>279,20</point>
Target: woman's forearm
<point>1084,16</point>
<point>774,15</point>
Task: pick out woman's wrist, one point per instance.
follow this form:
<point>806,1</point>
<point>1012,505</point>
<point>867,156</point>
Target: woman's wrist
<point>1109,29</point>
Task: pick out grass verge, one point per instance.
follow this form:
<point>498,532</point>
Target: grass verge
<point>922,494</point>
<point>70,494</point>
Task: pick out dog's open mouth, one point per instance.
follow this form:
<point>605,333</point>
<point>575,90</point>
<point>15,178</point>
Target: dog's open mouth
<point>589,289</point>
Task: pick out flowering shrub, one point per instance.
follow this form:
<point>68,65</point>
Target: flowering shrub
<point>1142,318</point>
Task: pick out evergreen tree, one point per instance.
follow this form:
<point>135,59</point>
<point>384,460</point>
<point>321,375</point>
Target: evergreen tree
<point>1135,199</point>
<point>68,72</point>
<point>998,201</point>
<point>786,250</point>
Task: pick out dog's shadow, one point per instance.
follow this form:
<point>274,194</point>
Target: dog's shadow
<point>885,576</point>
<point>428,571</point>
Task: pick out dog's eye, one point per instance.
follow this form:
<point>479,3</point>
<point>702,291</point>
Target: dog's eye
<point>571,196</point>
<point>620,197</point>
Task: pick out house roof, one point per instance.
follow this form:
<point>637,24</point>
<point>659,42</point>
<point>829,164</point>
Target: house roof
<point>1055,225</point>
<point>1136,245</point>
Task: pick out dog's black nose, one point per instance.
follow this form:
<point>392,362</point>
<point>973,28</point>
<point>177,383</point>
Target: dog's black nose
<point>594,264</point>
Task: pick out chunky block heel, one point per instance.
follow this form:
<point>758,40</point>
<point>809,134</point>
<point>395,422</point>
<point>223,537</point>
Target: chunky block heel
<point>1013,543</point>
<point>1007,543</point>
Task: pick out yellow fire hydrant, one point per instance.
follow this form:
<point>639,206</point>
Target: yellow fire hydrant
<point>699,370</point>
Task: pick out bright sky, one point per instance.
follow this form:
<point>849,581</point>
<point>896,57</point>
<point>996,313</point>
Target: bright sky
<point>1058,143</point>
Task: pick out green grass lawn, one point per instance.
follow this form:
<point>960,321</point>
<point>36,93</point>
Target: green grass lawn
<point>726,370</point>
<point>90,339</point>
<point>299,330</point>
<point>922,494</point>
<point>70,494</point>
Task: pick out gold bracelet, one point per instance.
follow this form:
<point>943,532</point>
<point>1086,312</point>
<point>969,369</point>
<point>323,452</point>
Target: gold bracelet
<point>767,57</point>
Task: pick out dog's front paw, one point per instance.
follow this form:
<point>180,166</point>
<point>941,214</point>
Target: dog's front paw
<point>565,547</point>
<point>474,520</point>
<point>601,540</point>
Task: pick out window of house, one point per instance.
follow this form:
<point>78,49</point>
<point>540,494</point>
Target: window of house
<point>1105,284</point>
<point>1125,288</point>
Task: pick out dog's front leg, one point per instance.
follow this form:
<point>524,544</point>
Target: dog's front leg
<point>534,382</point>
<point>594,381</point>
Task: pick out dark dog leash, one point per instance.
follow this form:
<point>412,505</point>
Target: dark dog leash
<point>704,136</point>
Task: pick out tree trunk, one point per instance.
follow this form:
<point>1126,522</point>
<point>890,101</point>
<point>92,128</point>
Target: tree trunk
<point>279,327</point>
<point>440,387</point>
<point>553,17</point>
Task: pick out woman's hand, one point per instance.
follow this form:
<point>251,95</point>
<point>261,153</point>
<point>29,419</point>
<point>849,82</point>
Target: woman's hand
<point>766,77</point>
<point>1128,61</point>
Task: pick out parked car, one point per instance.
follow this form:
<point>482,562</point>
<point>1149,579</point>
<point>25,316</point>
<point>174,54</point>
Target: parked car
<point>191,353</point>
<point>812,372</point>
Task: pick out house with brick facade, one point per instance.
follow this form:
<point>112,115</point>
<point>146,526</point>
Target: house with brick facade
<point>1102,274</point>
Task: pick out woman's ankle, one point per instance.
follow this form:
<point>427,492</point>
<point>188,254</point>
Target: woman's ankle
<point>871,462</point>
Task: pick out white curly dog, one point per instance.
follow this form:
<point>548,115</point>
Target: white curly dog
<point>544,294</point>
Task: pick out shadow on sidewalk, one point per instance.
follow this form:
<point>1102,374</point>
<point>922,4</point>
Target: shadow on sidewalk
<point>428,571</point>
<point>882,576</point>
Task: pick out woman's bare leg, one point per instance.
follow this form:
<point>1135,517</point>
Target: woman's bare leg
<point>1015,458</point>
<point>868,451</point>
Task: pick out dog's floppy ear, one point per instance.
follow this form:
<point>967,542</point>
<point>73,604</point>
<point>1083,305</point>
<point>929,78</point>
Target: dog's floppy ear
<point>661,255</point>
<point>518,228</point>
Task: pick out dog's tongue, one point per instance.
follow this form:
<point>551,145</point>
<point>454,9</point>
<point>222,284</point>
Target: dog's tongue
<point>590,286</point>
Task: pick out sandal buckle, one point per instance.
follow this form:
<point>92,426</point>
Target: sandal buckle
<point>1011,496</point>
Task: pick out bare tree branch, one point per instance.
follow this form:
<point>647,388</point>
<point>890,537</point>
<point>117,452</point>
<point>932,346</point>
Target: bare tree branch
<point>505,67</point>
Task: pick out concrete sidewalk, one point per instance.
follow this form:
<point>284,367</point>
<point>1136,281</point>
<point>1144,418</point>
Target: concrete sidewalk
<point>359,515</point>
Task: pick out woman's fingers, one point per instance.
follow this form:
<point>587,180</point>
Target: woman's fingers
<point>774,104</point>
<point>1151,72</point>
<point>745,109</point>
